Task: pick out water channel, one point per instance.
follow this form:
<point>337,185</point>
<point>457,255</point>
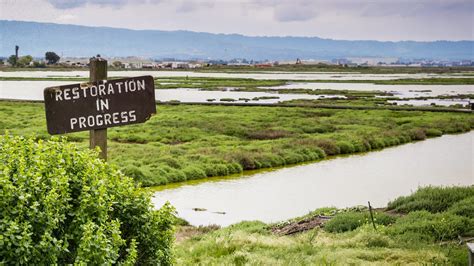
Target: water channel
<point>285,193</point>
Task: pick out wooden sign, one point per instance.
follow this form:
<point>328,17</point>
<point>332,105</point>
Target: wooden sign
<point>99,105</point>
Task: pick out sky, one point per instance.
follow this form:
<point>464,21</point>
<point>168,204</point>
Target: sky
<point>384,20</point>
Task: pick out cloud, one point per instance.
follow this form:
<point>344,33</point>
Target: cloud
<point>289,13</point>
<point>66,17</point>
<point>286,10</point>
<point>303,10</point>
<point>189,6</point>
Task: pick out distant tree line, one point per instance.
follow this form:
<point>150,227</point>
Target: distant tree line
<point>51,58</point>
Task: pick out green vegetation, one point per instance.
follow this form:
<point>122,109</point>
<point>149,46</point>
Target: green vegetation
<point>432,199</point>
<point>186,142</point>
<point>419,237</point>
<point>348,221</point>
<point>51,57</point>
<point>61,205</point>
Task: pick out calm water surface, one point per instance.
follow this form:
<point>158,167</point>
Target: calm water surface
<point>402,91</point>
<point>33,90</point>
<point>377,177</point>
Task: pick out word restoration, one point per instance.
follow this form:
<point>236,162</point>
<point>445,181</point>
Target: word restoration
<point>97,105</point>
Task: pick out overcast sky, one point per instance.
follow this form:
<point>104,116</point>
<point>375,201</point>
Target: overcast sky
<point>393,20</point>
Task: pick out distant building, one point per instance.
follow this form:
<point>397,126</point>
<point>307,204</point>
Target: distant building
<point>74,62</point>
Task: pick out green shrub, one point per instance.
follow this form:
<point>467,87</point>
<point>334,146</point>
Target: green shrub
<point>417,134</point>
<point>328,146</point>
<point>432,199</point>
<point>348,221</point>
<point>345,147</point>
<point>235,168</point>
<point>464,207</point>
<point>376,143</point>
<point>343,222</point>
<point>193,172</point>
<point>245,159</point>
<point>175,175</point>
<point>62,205</point>
<point>423,225</point>
<point>433,132</point>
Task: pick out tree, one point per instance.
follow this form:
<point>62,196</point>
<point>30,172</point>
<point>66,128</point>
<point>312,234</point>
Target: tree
<point>61,205</point>
<point>52,57</point>
<point>24,60</point>
<point>12,60</point>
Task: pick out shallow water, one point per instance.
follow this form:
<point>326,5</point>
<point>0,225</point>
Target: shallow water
<point>33,90</point>
<point>377,177</point>
<point>195,95</point>
<point>402,91</point>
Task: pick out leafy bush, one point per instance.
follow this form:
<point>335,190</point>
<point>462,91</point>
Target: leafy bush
<point>464,207</point>
<point>348,221</point>
<point>345,222</point>
<point>193,172</point>
<point>345,147</point>
<point>62,205</point>
<point>419,225</point>
<point>417,134</point>
<point>328,146</point>
<point>432,199</point>
<point>433,132</point>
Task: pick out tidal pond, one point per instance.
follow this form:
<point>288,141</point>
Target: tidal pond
<point>285,193</point>
<point>33,90</point>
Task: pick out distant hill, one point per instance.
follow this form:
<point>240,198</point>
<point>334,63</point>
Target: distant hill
<point>71,40</point>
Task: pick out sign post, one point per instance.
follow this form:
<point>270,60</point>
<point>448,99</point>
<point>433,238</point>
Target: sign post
<point>98,137</point>
<point>99,104</point>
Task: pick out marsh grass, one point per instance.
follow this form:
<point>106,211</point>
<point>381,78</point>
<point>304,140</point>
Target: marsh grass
<point>433,199</point>
<point>187,142</point>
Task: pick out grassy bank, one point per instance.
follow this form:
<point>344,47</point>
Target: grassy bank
<point>186,142</point>
<point>423,228</point>
<point>248,84</point>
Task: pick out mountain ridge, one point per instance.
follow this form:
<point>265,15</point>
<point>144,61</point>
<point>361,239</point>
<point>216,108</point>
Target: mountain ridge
<point>70,40</point>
